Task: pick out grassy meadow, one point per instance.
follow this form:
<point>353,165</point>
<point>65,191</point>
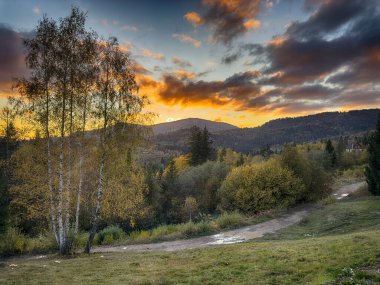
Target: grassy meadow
<point>336,244</point>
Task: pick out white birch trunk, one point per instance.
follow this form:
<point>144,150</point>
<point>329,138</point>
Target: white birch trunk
<point>98,200</point>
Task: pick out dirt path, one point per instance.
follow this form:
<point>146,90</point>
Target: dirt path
<point>228,237</point>
<point>348,189</point>
<point>233,236</point>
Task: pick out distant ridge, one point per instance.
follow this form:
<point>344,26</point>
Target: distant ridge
<point>280,131</point>
<point>174,126</point>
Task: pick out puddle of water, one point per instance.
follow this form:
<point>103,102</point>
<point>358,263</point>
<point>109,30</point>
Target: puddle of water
<point>342,196</point>
<point>220,239</point>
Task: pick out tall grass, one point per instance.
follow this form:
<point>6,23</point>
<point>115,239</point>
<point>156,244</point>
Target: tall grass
<point>14,242</point>
<point>190,229</point>
<point>228,220</point>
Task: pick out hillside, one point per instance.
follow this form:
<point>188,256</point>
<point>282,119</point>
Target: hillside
<point>212,126</point>
<point>281,131</point>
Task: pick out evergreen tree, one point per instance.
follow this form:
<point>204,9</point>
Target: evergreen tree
<point>330,155</point>
<point>340,150</point>
<point>195,146</point>
<point>207,152</point>
<point>373,169</point>
<point>169,187</point>
<point>201,148</point>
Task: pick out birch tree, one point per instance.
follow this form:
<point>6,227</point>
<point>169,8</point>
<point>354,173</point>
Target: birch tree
<point>36,93</point>
<point>116,102</point>
<point>60,56</point>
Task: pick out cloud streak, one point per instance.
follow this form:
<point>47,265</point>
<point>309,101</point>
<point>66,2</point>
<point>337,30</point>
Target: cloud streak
<point>187,39</point>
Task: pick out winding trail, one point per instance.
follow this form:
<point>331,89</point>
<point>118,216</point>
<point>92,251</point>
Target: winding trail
<point>232,236</point>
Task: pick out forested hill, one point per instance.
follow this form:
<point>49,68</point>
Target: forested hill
<point>212,126</point>
<point>281,131</point>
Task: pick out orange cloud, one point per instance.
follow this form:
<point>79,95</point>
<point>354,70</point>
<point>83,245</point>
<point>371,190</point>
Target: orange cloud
<point>277,41</point>
<point>194,18</point>
<point>187,39</point>
<point>148,53</point>
<point>252,24</point>
<point>184,74</point>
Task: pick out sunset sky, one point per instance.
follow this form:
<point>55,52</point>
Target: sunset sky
<point>243,62</point>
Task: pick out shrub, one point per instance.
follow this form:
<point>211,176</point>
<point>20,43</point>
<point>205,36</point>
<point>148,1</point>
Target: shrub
<point>163,230</point>
<point>311,173</point>
<point>109,234</point>
<point>256,188</point>
<point>354,173</point>
<point>13,242</point>
<point>190,229</point>
<point>202,183</point>
<point>140,235</point>
<point>228,220</point>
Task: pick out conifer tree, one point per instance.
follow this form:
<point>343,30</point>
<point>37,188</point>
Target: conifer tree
<point>200,146</point>
<point>373,169</point>
<point>195,146</point>
<point>340,150</point>
<point>330,155</point>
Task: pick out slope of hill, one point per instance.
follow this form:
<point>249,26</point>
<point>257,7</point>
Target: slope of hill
<point>281,131</point>
<point>212,126</point>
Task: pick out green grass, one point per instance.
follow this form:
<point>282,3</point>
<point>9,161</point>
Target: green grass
<point>346,240</point>
<point>346,216</point>
<point>311,261</point>
<point>189,230</point>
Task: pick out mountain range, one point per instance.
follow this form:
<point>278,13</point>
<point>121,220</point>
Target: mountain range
<point>174,136</point>
<point>174,126</point>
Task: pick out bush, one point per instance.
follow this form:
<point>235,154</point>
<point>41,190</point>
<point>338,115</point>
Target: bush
<point>354,173</point>
<point>256,188</point>
<point>311,173</point>
<point>228,220</point>
<point>140,235</point>
<point>109,234</point>
<point>13,242</point>
<point>202,183</point>
<point>190,229</point>
<point>163,230</point>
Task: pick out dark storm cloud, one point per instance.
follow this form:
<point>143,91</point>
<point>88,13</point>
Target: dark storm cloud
<point>330,16</point>
<point>12,56</point>
<point>306,92</point>
<point>299,58</point>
